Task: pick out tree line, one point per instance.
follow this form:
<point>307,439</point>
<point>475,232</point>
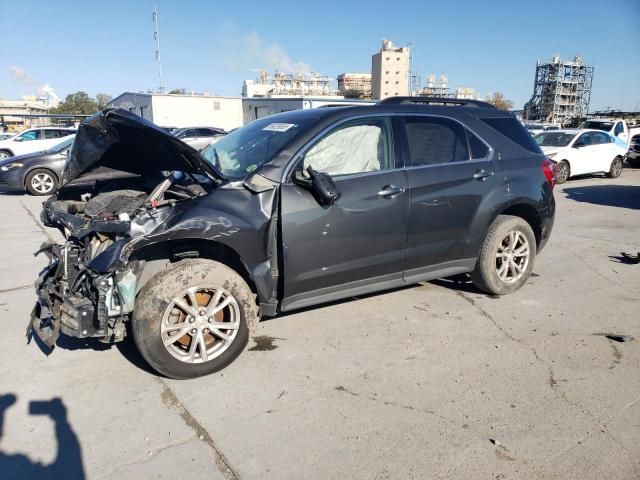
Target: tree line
<point>80,103</point>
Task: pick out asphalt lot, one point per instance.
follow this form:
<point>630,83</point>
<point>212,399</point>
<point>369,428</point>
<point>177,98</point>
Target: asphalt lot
<point>431,381</point>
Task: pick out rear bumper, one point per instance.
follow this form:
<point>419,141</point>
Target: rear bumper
<point>547,218</point>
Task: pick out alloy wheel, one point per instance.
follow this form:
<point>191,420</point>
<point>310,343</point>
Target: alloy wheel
<point>42,183</point>
<point>512,257</point>
<point>200,323</point>
<point>616,167</point>
<point>562,172</point>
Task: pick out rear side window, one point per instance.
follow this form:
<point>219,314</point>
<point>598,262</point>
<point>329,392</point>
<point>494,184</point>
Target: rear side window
<point>478,148</point>
<point>511,128</point>
<point>600,138</point>
<point>433,141</point>
<point>49,134</point>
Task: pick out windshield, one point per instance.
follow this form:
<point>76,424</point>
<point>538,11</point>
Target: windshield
<point>243,151</point>
<point>61,146</point>
<point>554,139</point>
<point>598,125</point>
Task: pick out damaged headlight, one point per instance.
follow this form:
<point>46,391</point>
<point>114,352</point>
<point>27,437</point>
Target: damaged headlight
<point>11,166</point>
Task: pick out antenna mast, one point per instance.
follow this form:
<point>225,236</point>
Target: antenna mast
<point>156,36</point>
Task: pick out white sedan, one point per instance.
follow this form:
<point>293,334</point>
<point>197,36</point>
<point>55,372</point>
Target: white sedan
<point>33,140</point>
<point>580,152</point>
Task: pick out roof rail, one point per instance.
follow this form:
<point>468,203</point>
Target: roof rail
<point>463,102</point>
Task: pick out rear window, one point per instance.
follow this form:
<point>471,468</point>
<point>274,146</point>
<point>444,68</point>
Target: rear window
<point>511,128</point>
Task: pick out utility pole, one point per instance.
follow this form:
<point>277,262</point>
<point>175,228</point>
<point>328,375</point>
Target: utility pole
<point>156,36</point>
<point>410,45</point>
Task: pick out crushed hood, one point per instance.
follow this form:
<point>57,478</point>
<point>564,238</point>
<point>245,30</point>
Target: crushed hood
<point>117,139</point>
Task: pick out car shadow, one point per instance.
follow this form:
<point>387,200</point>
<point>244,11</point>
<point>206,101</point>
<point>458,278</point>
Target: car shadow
<point>623,196</point>
<point>67,463</point>
<point>126,347</point>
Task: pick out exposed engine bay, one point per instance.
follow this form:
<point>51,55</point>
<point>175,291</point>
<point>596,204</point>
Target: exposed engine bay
<point>74,297</point>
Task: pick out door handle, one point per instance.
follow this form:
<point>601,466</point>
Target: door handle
<point>390,191</point>
<point>482,174</point>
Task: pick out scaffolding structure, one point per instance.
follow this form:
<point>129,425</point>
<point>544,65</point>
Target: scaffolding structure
<point>561,91</point>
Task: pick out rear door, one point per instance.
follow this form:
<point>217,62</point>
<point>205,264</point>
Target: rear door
<point>358,243</point>
<point>450,170</point>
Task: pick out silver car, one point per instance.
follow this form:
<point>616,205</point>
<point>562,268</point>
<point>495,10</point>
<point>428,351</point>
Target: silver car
<point>199,137</point>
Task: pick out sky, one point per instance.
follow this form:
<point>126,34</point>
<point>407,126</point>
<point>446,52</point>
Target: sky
<point>108,47</point>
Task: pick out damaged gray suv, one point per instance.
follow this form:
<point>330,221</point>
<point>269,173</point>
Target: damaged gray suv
<point>191,249</point>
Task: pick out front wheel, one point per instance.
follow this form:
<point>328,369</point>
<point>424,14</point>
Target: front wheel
<point>4,154</point>
<point>506,257</point>
<point>41,182</point>
<point>616,168</point>
<point>192,319</point>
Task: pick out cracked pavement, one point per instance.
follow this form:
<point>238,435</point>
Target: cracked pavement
<point>430,381</point>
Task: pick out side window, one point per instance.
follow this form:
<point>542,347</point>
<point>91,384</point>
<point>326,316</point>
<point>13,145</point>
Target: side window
<point>433,141</point>
<point>49,134</point>
<point>204,132</point>
<point>30,135</point>
<point>618,129</point>
<point>584,140</point>
<point>359,147</point>
<point>600,138</point>
<point>478,148</point>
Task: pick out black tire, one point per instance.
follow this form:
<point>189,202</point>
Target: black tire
<point>485,276</point>
<point>155,298</point>
<point>4,154</point>
<point>563,172</point>
<point>47,186</point>
<point>616,168</point>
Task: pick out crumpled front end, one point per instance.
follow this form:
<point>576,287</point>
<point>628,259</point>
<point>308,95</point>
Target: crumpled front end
<point>75,300</point>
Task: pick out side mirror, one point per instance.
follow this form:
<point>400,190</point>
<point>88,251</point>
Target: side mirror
<point>320,184</point>
<point>19,139</point>
<point>578,145</point>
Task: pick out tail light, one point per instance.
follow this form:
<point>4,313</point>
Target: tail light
<point>549,170</point>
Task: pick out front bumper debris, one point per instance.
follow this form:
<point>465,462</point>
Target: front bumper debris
<point>75,301</point>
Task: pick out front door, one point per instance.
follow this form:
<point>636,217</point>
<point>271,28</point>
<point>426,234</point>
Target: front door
<point>359,243</point>
<point>584,155</point>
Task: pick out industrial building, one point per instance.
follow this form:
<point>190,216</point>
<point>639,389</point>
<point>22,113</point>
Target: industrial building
<point>182,110</point>
<point>12,112</point>
<point>289,85</point>
<point>255,107</point>
<point>390,71</point>
<point>561,91</point>
<point>441,89</point>
<point>355,85</point>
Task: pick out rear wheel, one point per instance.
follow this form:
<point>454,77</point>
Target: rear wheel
<point>507,256</point>
<point>616,168</point>
<point>41,182</point>
<point>563,171</point>
<point>192,319</point>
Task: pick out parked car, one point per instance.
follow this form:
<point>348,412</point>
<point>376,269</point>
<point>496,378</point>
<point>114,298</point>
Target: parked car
<point>199,137</point>
<point>536,128</point>
<point>580,152</point>
<point>633,155</point>
<point>38,173</point>
<point>33,140</point>
<point>291,210</point>
<point>617,127</point>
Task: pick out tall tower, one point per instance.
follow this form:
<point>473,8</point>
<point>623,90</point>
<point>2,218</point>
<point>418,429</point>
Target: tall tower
<point>390,71</point>
<point>561,91</point>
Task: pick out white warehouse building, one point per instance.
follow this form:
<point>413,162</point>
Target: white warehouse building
<point>259,107</point>
<point>180,110</point>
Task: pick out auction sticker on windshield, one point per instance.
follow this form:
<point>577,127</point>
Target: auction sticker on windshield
<point>278,127</point>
